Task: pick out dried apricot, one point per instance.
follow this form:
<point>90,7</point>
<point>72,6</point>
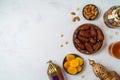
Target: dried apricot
<point>80,60</point>
<point>67,64</point>
<point>79,68</point>
<point>70,57</point>
<point>72,70</point>
<point>74,63</point>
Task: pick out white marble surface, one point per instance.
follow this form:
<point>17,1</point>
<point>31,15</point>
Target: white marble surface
<point>30,36</point>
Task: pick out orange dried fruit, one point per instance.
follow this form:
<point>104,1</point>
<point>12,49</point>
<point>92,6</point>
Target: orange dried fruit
<point>74,63</point>
<point>79,68</point>
<point>72,70</point>
<point>66,64</point>
<point>80,60</point>
<point>70,57</point>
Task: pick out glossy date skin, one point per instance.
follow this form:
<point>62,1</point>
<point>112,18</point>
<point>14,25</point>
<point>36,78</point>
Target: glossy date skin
<point>89,38</point>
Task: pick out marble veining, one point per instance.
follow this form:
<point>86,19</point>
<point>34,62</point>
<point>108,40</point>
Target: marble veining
<point>29,37</point>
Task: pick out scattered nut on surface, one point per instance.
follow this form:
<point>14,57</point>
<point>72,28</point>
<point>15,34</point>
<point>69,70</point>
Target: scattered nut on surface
<point>77,18</point>
<point>73,13</point>
<point>83,76</point>
<point>74,19</point>
<point>110,36</point>
<point>66,42</point>
<point>61,45</point>
<point>61,35</point>
<point>116,33</point>
<point>78,9</point>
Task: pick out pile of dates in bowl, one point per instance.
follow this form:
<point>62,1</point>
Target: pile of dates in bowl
<point>88,38</point>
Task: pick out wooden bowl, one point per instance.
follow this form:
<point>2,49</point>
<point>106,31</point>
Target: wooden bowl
<point>84,39</point>
<point>90,12</point>
<point>81,65</point>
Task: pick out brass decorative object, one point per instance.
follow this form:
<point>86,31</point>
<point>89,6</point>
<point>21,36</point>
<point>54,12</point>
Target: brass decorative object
<point>54,71</point>
<point>101,72</point>
<point>112,17</point>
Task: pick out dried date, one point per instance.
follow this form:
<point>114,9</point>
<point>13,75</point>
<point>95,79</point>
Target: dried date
<point>93,32</point>
<point>93,41</point>
<point>84,27</point>
<point>83,39</point>
<point>97,46</point>
<point>77,41</point>
<point>81,46</point>
<point>84,34</point>
<point>100,35</point>
<point>88,47</point>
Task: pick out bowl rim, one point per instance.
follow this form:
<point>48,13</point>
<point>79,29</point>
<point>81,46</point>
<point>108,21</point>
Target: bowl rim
<point>95,7</point>
<point>76,55</point>
<point>76,30</point>
<point>105,18</point>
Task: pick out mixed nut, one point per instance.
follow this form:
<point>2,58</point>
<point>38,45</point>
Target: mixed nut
<point>90,12</point>
<point>88,38</point>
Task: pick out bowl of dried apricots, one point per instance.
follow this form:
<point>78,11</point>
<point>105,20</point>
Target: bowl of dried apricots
<point>73,64</point>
